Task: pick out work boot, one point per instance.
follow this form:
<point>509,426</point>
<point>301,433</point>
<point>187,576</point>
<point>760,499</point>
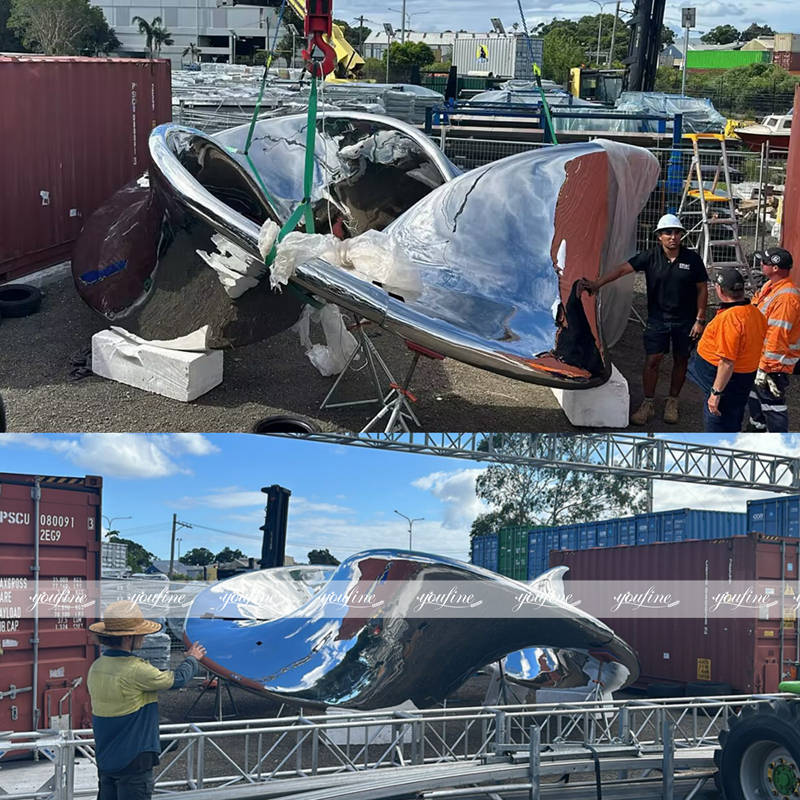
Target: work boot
<point>671,410</point>
<point>644,413</point>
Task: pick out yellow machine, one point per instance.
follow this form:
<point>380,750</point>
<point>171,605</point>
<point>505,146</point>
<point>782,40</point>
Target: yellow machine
<point>348,62</point>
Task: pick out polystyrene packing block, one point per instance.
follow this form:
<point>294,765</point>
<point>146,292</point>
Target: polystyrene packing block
<point>176,374</point>
<point>604,406</point>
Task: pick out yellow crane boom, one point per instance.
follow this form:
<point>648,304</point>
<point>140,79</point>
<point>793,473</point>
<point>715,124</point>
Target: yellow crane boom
<point>348,62</point>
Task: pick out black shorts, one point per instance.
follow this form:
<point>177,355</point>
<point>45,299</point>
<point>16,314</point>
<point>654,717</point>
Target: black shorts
<point>659,335</point>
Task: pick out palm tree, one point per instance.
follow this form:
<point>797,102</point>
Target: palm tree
<point>193,51</point>
<point>161,36</point>
<point>154,35</point>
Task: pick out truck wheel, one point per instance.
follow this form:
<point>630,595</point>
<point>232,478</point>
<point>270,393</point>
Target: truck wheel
<point>760,753</point>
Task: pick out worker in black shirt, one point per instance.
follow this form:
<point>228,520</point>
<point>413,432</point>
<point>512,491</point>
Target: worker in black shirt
<point>677,293</point>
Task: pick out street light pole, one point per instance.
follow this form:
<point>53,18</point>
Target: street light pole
<point>410,525</point>
<point>613,36</point>
<point>109,520</point>
<point>599,29</point>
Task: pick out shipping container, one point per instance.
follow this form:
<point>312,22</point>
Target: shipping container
<point>789,60</point>
<point>45,686</point>
<point>502,55</point>
<point>744,652</point>
<point>74,131</point>
<point>787,42</point>
<point>662,526</point>
<point>725,59</point>
<point>512,558</point>
<point>484,551</point>
<point>776,516</point>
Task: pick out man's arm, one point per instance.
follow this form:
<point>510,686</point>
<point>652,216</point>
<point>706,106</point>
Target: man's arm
<point>702,302</point>
<point>593,286</point>
<point>724,372</point>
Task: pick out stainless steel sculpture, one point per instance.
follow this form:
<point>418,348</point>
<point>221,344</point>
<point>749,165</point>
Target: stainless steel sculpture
<point>497,251</point>
<point>387,626</point>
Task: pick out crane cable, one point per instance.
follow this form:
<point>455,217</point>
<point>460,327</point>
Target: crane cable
<point>537,75</point>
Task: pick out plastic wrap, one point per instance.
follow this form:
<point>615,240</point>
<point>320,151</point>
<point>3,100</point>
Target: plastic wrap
<point>699,114</point>
<point>332,357</point>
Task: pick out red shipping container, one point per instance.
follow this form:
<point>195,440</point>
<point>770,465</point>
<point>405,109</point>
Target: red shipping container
<point>74,130</point>
<point>742,652</point>
<point>788,60</point>
<point>68,528</point>
<point>790,225</point>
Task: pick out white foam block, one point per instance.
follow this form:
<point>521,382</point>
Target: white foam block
<point>604,406</point>
<point>372,731</point>
<point>172,373</point>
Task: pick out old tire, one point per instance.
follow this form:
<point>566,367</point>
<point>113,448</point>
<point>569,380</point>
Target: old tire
<point>19,299</point>
<point>760,753</point>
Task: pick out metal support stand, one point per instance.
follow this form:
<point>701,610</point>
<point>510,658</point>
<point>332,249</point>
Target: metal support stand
<point>373,363</point>
<point>397,402</point>
<point>217,685</point>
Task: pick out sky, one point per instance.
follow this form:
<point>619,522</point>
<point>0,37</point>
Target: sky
<point>343,498</point>
<point>473,15</point>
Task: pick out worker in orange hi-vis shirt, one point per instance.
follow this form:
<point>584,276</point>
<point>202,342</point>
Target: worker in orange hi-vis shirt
<point>779,301</point>
<point>728,353</point>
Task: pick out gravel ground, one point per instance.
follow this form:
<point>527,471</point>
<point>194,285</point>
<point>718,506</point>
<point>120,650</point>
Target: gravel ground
<point>272,378</point>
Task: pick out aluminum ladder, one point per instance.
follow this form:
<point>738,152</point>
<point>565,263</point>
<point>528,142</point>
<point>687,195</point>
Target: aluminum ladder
<point>716,228</point>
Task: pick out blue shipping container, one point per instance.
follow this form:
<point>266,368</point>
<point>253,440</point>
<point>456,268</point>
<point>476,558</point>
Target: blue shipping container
<point>776,516</point>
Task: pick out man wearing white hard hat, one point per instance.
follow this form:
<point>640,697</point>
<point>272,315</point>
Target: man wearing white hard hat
<point>677,294</point>
<point>123,691</point>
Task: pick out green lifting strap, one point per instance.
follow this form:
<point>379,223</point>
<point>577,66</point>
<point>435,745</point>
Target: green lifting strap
<point>304,208</point>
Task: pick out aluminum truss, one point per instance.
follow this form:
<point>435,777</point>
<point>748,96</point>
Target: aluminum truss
<point>629,454</point>
<point>383,754</point>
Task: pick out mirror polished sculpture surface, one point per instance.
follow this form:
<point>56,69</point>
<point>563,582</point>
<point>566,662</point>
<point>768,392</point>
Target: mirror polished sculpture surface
<point>388,626</point>
<point>491,258</point>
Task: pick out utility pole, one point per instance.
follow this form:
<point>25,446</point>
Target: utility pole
<point>176,523</point>
<point>403,30</point>
<point>361,36</point>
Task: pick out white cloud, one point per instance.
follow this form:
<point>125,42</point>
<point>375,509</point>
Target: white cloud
<point>456,490</point>
<point>194,444</point>
<point>119,455</point>
<point>234,497</point>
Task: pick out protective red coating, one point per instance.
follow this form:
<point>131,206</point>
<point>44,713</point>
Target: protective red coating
<point>791,202</point>
<point>744,653</point>
<point>69,556</point>
<point>73,131</point>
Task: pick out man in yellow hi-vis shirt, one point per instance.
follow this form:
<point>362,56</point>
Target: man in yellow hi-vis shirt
<point>124,703</point>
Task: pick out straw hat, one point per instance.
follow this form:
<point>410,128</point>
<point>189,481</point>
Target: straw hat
<point>124,618</point>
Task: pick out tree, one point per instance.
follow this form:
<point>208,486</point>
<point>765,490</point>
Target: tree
<point>155,35</point>
<point>198,557</point>
<point>193,51</point>
<point>53,27</point>
<point>138,559</point>
<point>322,557</point>
<point>99,37</point>
<point>9,41</point>
<point>409,54</point>
<point>523,495</point>
<point>226,555</point>
<point>722,34</point>
<point>753,31</point>
<point>560,51</point>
